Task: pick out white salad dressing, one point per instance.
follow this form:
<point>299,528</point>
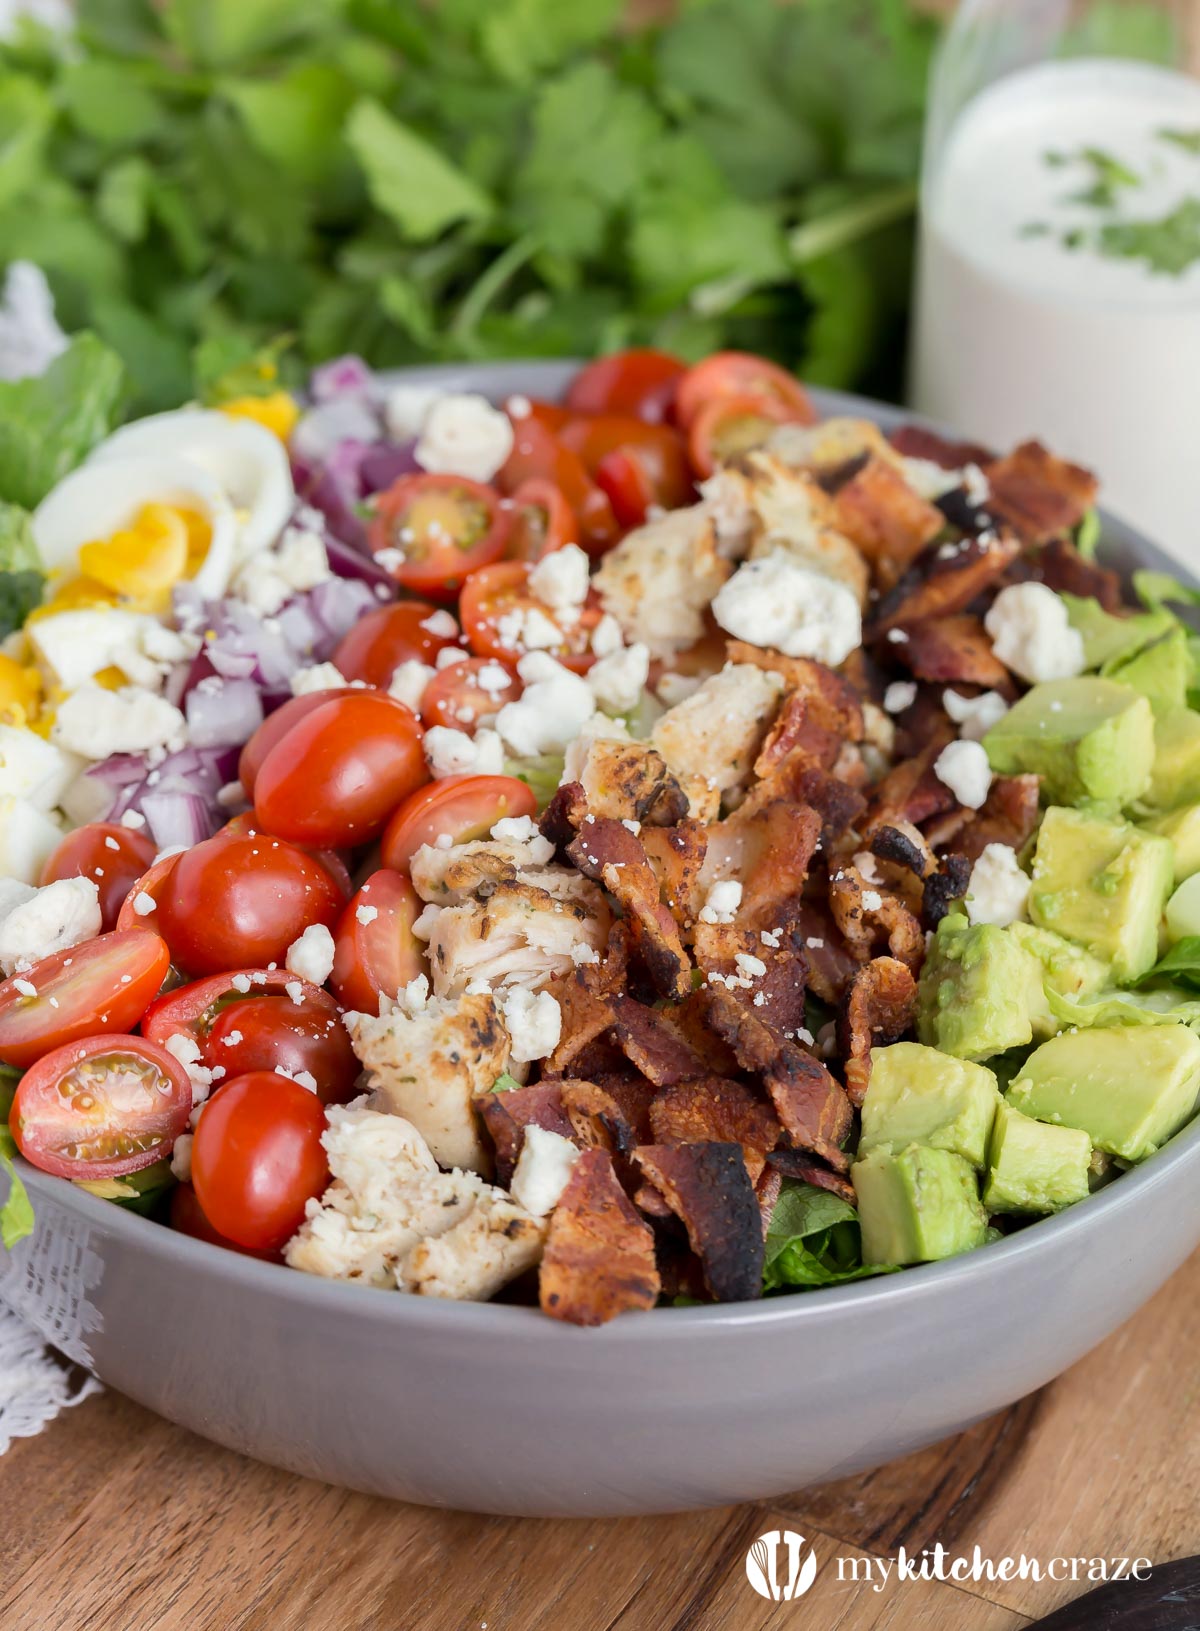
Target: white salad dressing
<point>1059,285</point>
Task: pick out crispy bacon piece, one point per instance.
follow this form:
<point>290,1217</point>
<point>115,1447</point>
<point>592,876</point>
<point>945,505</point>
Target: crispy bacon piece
<point>708,1188</point>
<point>767,1191</point>
<point>833,702</point>
<point>564,815</point>
<point>613,1114</point>
<point>785,837</point>
<point>811,1106</point>
<point>652,1046</point>
<point>948,884</point>
<point>583,998</point>
<point>769,979</point>
<point>830,965</point>
<point>910,791</point>
<point>713,1108</point>
<point>1038,494</point>
<point>901,844</point>
<point>880,1006</point>
<point>954,651</point>
<point>506,1116</point>
<point>599,1257</point>
<point>890,523</point>
<point>1063,568</point>
<point>915,442</point>
<point>796,742</point>
<point>793,1164</point>
<point>689,1020</point>
<point>837,803</point>
<point>676,855</point>
<point>1008,816</point>
<point>942,583</point>
<point>862,911</point>
<point>608,852</point>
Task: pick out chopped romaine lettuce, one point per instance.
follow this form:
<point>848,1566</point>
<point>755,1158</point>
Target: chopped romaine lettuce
<point>16,1215</point>
<point>813,1240</point>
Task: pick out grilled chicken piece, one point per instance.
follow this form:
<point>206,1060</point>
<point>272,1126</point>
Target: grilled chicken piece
<point>519,934</point>
<point>660,580</point>
<point>494,1242</point>
<point>711,740</point>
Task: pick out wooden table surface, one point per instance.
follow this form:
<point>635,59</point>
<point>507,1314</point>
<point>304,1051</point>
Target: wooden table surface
<point>117,1521</point>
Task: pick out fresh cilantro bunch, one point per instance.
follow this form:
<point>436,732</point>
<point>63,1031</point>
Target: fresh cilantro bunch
<point>471,178</point>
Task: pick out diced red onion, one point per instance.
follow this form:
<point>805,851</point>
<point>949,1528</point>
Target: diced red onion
<point>350,562</point>
<point>326,430</point>
<point>343,376</point>
<point>180,819</point>
<point>221,712</point>
<point>385,463</point>
<point>336,607</point>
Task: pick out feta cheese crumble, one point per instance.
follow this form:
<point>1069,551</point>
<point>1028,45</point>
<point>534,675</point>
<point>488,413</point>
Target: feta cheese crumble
<point>543,1167</point>
<point>463,435</point>
<point>722,903</point>
<point>533,1021</point>
<point>1032,634</point>
<point>94,722</point>
<point>321,677</point>
<point>560,579</point>
<point>963,767</point>
<point>774,602</point>
<point>618,680</point>
<point>53,918</point>
<point>453,753</point>
<point>998,891</point>
<point>311,956</point>
<point>554,708</point>
<point>900,694</point>
<point>975,715</point>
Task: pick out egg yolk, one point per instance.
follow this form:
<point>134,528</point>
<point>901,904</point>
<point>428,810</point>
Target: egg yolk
<point>142,561</point>
<point>20,692</point>
<point>73,595</point>
<point>277,413</point>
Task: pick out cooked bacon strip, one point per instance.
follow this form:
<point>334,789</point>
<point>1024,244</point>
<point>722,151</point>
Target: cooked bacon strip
<point>793,1164</point>
<point>879,1007</point>
<point>890,523</point>
<point>1063,568</point>
<point>1008,816</point>
<point>785,837</point>
<point>713,1108</point>
<point>948,884</point>
<point>1042,496</point>
<point>954,651</point>
<point>767,1191</point>
<point>506,1116</point>
<point>770,979</point>
<point>910,791</point>
<point>838,804</point>
<point>652,1046</point>
<point>608,852</point>
<point>583,998</point>
<point>830,965</point>
<point>708,1188</point>
<point>915,442</point>
<point>940,584</point>
<point>901,844</point>
<point>564,815</point>
<point>613,1114</point>
<point>689,1020</point>
<point>676,855</point>
<point>599,1257</point>
<point>861,911</point>
<point>833,702</point>
<point>796,742</point>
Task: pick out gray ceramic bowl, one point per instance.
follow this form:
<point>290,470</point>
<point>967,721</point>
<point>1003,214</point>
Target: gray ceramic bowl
<point>498,1409</point>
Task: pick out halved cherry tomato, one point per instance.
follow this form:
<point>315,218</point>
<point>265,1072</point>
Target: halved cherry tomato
<point>640,382</point>
<point>739,373</point>
<point>334,779</point>
<point>458,807</point>
<point>276,1033</point>
<point>442,527</point>
<point>240,902</point>
<point>187,1218</point>
<point>375,950</point>
<point>542,521</point>
<point>382,640</point>
<point>495,593</point>
<point>101,1107</point>
<point>111,855</point>
<point>538,454</point>
<point>634,463</point>
<point>463,694</point>
<point>194,1009</point>
<point>731,425</point>
<point>257,1158</point>
<point>273,728</point>
<point>148,887</point>
<point>105,984</point>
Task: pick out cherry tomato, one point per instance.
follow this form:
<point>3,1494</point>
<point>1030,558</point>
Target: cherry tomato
<point>273,729</point>
<point>100,1107</point>
<point>275,1033</point>
<point>550,414</point>
<point>640,382</point>
<point>187,1218</point>
<point>728,426</point>
<point>257,1158</point>
<point>739,373</point>
<point>382,640</point>
<point>443,528</point>
<point>240,902</point>
<point>245,825</point>
<point>336,776</point>
<point>375,950</point>
<point>542,521</point>
<point>538,454</point>
<point>111,855</point>
<point>459,807</point>
<point>636,464</point>
<point>193,1009</point>
<point>463,694</point>
<point>148,887</point>
<point>105,984</point>
<point>495,593</point>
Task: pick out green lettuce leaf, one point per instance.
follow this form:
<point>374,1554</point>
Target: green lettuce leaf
<point>16,1215</point>
<point>1161,1005</point>
<point>21,576</point>
<point>813,1239</point>
<point>49,424</point>
<point>1181,963</point>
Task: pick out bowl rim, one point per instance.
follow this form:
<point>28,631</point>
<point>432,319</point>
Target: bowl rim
<point>918,1282</point>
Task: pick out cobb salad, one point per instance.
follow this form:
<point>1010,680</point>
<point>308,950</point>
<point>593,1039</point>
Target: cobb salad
<point>656,846</point>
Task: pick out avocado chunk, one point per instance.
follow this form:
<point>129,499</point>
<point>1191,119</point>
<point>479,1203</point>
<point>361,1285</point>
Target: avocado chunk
<point>1128,1087</point>
<point>1103,883</point>
<point>917,1206</point>
<point>1067,969</point>
<point>1087,738</point>
<point>1175,776</point>
<point>920,1096</point>
<point>1161,671</point>
<point>1034,1166</point>
<point>978,991</point>
<point>1182,827</point>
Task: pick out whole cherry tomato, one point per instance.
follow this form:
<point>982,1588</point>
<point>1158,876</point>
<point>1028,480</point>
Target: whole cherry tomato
<point>375,950</point>
<point>186,1215</point>
<point>193,1009</point>
<point>438,529</point>
<point>111,855</point>
<point>277,1033</point>
<point>456,807</point>
<point>412,630</point>
<point>104,985</point>
<point>273,729</point>
<point>144,894</point>
<point>640,382</point>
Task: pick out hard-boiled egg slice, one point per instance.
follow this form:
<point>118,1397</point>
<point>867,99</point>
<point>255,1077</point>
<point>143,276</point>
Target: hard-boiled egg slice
<point>250,464</point>
<point>109,495</point>
<point>28,838</point>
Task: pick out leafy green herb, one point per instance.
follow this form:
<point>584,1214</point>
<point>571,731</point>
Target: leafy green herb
<point>1169,245</point>
<point>1108,177</point>
<point>9,1077</point>
<point>16,1215</point>
<point>504,1083</point>
<point>49,424</point>
<point>813,1239</point>
<point>1189,140</point>
<point>1181,963</point>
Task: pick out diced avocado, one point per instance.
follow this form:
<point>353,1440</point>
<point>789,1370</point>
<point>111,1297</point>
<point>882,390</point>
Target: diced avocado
<point>1182,827</point>
<point>1161,671</point>
<point>1175,777</point>
<point>1087,738</point>
<point>1107,638</point>
<point>978,990</point>
<point>917,1206</point>
<point>1066,968</point>
<point>1034,1166</point>
<point>1182,914</point>
<point>1128,1087</point>
<point>1103,883</point>
<point>920,1096</point>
